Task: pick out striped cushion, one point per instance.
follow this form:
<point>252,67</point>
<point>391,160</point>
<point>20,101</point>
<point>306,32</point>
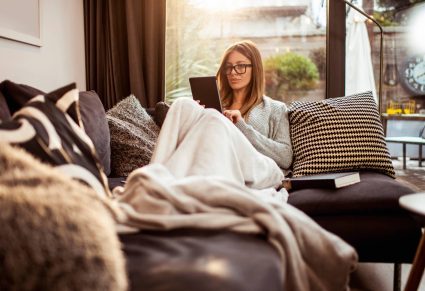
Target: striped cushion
<point>44,127</point>
<point>338,134</point>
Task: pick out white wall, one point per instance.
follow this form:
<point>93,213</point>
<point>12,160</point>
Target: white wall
<point>60,60</point>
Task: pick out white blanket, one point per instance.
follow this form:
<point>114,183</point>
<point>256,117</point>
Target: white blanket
<point>205,174</point>
<point>202,142</point>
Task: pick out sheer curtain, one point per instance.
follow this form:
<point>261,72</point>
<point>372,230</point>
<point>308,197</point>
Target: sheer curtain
<point>125,49</point>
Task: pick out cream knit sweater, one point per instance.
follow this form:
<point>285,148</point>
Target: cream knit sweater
<point>267,128</point>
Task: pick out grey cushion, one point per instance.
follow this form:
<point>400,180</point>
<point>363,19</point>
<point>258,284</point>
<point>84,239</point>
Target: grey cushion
<point>133,136</point>
<point>95,124</point>
<point>55,233</point>
<point>161,109</point>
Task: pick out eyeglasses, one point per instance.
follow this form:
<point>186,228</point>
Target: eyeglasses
<point>239,69</point>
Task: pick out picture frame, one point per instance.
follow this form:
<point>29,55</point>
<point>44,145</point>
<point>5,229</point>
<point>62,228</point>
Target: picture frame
<point>21,20</point>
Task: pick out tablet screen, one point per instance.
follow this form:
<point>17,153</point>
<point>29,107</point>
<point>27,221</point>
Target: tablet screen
<point>205,90</point>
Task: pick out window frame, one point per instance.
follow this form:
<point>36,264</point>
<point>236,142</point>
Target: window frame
<point>335,49</point>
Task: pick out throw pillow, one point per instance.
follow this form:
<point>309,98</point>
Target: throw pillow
<point>95,125</point>
<point>133,136</point>
<point>338,134</point>
<point>43,128</point>
<point>92,114</point>
<point>55,233</point>
<point>161,109</point>
<point>17,94</point>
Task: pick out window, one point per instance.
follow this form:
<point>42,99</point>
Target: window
<point>291,35</point>
<point>403,79</point>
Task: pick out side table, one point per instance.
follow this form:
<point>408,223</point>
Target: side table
<point>408,140</point>
<point>415,204</point>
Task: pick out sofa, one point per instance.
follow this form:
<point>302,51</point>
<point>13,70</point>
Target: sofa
<point>366,215</point>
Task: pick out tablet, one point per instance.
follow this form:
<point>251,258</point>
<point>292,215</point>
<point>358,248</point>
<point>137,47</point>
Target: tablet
<point>205,90</point>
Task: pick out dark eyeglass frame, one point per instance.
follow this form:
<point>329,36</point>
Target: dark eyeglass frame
<point>239,69</point>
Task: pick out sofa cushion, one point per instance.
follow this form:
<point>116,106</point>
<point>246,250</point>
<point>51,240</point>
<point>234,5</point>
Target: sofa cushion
<point>43,128</point>
<point>375,193</point>
<point>366,215</point>
<point>211,260</point>
<point>55,233</point>
<point>133,136</point>
<point>338,134</point>
<point>95,125</point>
<point>161,109</point>
<point>4,109</point>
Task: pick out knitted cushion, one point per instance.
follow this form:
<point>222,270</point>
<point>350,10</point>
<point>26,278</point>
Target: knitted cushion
<point>338,134</point>
<point>44,127</point>
<point>55,233</point>
<point>133,136</point>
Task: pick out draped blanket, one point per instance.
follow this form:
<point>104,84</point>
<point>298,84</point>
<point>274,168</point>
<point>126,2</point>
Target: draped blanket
<point>198,141</point>
<point>205,176</point>
<point>312,258</point>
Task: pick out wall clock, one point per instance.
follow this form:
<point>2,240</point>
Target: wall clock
<point>413,75</point>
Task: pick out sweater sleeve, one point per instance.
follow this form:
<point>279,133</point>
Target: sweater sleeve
<point>277,145</point>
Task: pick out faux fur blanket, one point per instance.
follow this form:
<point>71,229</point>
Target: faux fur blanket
<point>55,233</point>
<point>205,175</point>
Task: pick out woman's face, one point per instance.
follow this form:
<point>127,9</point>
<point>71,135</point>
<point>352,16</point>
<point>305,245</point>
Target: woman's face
<point>235,76</point>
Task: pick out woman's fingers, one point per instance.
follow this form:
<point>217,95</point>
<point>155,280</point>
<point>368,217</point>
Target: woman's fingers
<point>199,102</point>
<point>233,115</point>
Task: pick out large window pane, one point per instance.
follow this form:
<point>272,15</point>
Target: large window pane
<point>291,36</point>
<point>403,80</point>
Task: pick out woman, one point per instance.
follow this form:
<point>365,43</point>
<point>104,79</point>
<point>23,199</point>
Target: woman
<point>262,120</point>
<point>194,141</point>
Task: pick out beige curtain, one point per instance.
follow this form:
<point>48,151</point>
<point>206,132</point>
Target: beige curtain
<point>125,49</point>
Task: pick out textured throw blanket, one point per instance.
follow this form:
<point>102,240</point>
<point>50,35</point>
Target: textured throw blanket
<point>312,258</point>
<point>204,174</point>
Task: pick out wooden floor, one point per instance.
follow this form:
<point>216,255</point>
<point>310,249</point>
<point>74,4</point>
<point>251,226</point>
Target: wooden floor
<point>379,277</point>
<point>413,175</point>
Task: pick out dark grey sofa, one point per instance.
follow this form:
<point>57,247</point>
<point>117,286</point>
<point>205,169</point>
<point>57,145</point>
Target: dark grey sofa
<point>366,215</point>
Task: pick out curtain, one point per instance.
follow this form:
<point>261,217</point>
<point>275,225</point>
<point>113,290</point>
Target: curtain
<point>125,49</point>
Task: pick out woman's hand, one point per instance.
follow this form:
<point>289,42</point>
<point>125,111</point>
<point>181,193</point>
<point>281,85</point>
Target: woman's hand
<point>199,102</point>
<point>233,115</point>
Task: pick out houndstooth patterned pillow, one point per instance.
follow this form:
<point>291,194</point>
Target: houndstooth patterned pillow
<point>338,134</point>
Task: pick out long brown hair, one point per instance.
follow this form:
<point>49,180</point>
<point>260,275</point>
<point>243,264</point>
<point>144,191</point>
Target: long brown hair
<point>256,86</point>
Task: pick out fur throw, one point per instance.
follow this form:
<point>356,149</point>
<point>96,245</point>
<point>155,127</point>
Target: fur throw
<point>55,234</point>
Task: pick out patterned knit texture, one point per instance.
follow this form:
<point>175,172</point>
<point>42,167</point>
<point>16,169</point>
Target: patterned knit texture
<point>267,128</point>
<point>338,134</point>
<point>55,233</point>
<point>133,136</point>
